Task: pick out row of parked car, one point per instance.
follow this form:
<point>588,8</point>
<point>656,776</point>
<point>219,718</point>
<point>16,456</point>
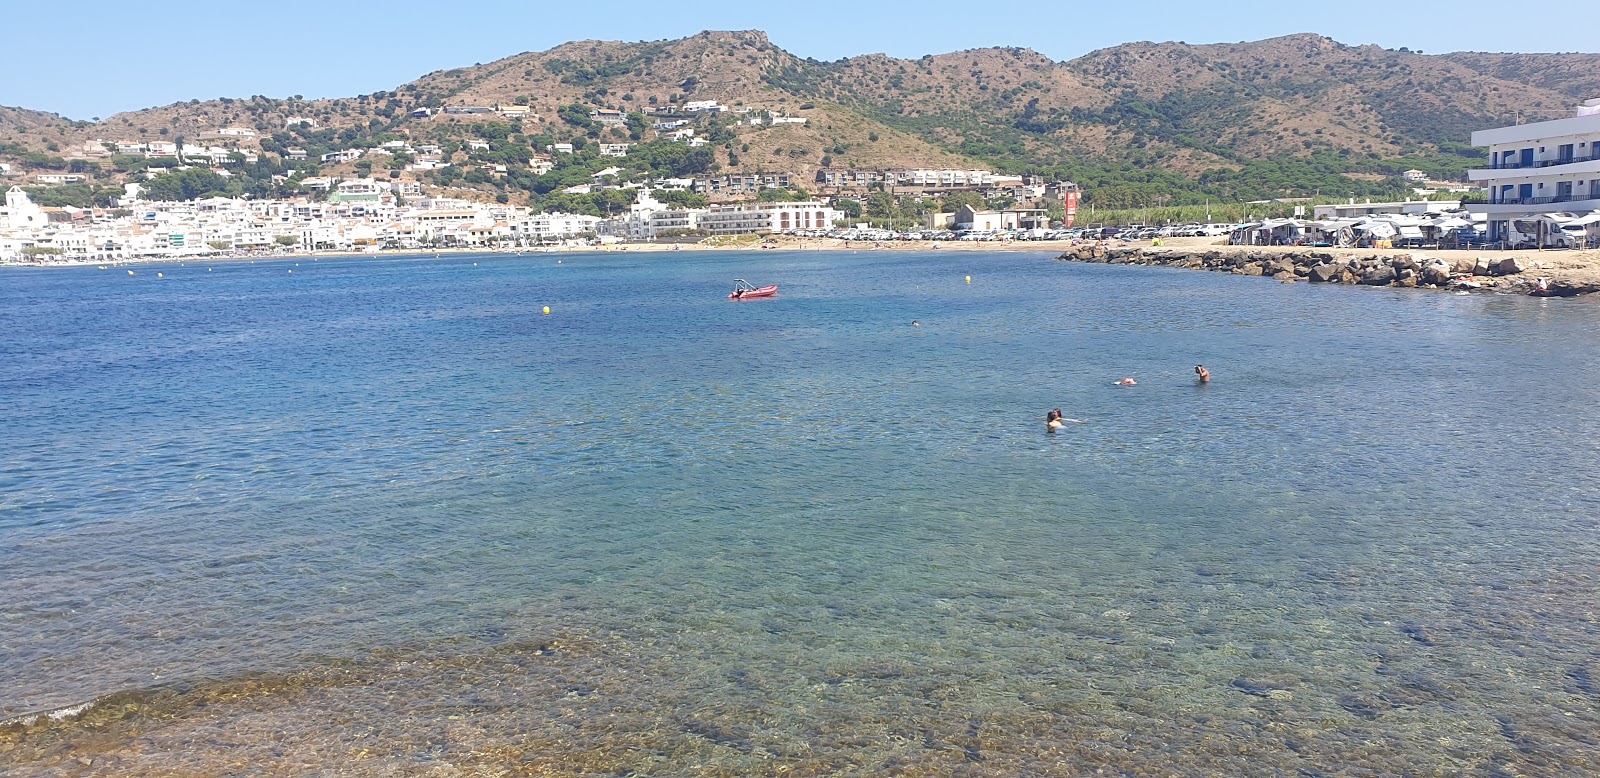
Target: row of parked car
<point>1135,232</point>
<point>1138,232</point>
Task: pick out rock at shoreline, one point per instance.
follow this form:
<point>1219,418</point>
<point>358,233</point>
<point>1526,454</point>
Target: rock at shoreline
<point>1324,267</point>
<point>1378,275</point>
<point>1509,266</point>
<point>1325,273</point>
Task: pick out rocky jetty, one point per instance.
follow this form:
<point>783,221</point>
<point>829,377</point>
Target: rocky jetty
<point>1505,274</point>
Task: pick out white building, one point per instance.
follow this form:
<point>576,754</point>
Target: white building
<point>615,149</point>
<point>746,218</point>
<point>545,226</point>
<point>21,212</point>
<point>1536,169</point>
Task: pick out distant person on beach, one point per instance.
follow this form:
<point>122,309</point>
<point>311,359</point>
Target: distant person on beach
<point>1127,382</point>
<point>1205,375</point>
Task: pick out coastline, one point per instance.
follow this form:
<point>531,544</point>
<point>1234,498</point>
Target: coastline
<point>1566,273</point>
<point>779,243</point>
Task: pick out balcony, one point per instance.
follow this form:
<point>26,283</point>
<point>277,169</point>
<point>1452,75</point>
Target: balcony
<point>1563,198</point>
<point>1543,163</point>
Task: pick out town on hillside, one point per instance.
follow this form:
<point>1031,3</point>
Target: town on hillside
<point>176,201</point>
<point>724,134</point>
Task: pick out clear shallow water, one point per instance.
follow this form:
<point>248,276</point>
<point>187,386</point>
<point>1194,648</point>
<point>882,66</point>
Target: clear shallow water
<point>305,519</point>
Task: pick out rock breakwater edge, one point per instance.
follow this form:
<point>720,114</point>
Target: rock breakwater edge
<point>1504,274</point>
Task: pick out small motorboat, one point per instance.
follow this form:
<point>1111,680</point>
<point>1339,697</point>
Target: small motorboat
<point>744,290</point>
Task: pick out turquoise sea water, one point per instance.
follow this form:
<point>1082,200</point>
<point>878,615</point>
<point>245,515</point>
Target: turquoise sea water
<point>380,516</point>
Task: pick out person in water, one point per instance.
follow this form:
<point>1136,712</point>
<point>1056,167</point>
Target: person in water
<point>1205,375</point>
<point>1127,382</point>
<point>1054,420</point>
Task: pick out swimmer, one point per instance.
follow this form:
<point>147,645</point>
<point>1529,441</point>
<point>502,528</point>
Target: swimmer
<point>1127,382</point>
<point>1054,420</point>
<point>1205,375</point>
<point>916,323</point>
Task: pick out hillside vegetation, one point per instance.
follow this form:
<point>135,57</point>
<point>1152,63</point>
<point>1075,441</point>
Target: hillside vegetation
<point>1134,124</point>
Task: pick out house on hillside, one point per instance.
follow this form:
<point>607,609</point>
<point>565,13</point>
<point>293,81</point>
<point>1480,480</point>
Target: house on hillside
<point>467,110</point>
<point>513,110</point>
<point>615,149</point>
<point>561,148</point>
<point>607,116</point>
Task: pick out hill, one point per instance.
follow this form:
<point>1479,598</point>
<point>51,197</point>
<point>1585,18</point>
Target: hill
<point>1295,115</point>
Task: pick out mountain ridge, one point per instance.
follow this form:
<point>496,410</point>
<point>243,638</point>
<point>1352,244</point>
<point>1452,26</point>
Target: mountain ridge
<point>1140,114</point>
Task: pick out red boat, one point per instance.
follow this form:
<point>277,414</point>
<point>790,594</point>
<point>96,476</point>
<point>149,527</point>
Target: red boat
<point>745,290</point>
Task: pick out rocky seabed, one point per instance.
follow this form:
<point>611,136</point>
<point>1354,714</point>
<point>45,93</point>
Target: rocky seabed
<point>1331,266</point>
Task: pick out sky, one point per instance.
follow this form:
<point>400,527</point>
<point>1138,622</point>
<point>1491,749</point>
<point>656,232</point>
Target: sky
<point>95,58</point>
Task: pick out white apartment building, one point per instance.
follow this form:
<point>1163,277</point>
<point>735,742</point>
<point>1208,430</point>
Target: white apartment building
<point>546,226</point>
<point>746,218</point>
<point>1537,169</point>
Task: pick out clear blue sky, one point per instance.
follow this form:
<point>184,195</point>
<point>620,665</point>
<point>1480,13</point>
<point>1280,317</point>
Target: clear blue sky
<point>97,57</point>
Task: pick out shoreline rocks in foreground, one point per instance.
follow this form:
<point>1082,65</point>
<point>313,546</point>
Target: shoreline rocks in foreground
<point>1504,274</point>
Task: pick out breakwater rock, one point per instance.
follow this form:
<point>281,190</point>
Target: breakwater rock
<point>1506,274</point>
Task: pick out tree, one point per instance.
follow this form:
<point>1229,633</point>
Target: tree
<point>287,240</point>
<point>851,208</point>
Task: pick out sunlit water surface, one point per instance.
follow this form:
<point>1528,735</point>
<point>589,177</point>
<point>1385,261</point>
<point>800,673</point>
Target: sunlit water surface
<point>382,517</point>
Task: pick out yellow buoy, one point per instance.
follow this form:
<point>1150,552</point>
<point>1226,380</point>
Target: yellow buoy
<point>291,272</point>
<point>969,279</point>
<point>159,275</point>
<point>102,267</point>
<point>130,272</point>
<point>547,310</point>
